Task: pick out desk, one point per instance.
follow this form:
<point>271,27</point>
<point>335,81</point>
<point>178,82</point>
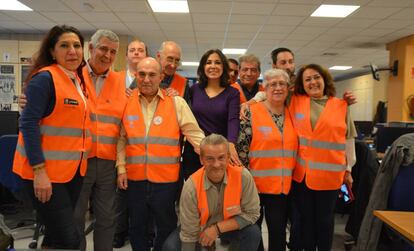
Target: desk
<point>401,222</point>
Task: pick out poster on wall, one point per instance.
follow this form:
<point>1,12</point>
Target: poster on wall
<point>23,73</point>
<point>7,87</point>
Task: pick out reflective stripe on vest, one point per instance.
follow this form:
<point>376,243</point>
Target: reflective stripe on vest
<point>106,115</point>
<point>321,157</point>
<point>65,138</point>
<point>156,156</point>
<point>232,194</point>
<point>271,154</point>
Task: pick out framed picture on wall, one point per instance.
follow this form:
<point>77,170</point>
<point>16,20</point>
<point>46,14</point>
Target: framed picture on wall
<point>24,71</point>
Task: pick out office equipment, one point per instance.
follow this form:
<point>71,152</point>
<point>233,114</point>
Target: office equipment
<point>387,135</point>
<point>364,128</point>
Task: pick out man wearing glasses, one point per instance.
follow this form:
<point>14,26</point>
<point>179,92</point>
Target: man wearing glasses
<point>169,56</point>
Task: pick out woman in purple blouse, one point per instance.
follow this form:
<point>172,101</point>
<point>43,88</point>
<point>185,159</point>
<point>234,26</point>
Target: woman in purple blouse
<point>216,106</point>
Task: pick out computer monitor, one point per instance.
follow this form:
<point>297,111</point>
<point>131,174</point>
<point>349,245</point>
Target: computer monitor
<point>9,122</point>
<point>364,128</point>
<point>387,135</point>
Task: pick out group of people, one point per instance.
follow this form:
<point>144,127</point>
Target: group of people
<point>123,142</point>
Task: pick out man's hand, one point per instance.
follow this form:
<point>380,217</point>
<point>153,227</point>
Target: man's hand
<point>128,92</point>
<point>172,92</point>
<point>22,101</point>
<point>122,181</point>
<point>42,186</point>
<point>208,236</point>
<point>243,109</point>
<point>349,97</point>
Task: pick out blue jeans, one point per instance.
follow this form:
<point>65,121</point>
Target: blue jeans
<point>246,239</point>
<point>145,197</point>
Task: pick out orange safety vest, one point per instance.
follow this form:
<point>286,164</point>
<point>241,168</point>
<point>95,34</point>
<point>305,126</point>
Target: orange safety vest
<point>232,193</point>
<point>179,83</point>
<point>243,98</point>
<point>106,113</point>
<point>64,134</point>
<point>156,156</point>
<point>321,157</point>
<point>271,155</point>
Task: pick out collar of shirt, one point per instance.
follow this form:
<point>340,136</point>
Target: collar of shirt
<point>208,184</point>
<point>93,74</point>
<point>72,75</point>
<point>166,82</point>
<point>159,95</point>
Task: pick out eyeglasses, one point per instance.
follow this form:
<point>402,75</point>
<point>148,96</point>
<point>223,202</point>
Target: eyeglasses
<point>274,85</point>
<point>172,60</point>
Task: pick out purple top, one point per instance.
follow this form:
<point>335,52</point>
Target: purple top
<point>219,114</point>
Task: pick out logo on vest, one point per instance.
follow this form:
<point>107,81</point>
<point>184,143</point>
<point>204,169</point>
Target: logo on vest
<point>299,115</point>
<point>157,120</point>
<point>69,101</point>
<point>265,130</point>
<point>131,119</point>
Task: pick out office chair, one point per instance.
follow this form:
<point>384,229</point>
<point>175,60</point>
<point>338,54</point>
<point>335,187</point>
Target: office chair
<point>14,183</point>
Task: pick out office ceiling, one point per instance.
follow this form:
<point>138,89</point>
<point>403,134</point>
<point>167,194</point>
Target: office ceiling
<point>257,25</point>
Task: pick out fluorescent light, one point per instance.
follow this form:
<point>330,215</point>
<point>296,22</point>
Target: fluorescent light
<point>190,63</point>
<point>234,51</point>
<point>340,67</point>
<point>329,10</point>
<point>13,5</point>
<point>173,6</point>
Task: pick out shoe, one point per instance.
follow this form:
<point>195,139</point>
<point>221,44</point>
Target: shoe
<point>119,241</point>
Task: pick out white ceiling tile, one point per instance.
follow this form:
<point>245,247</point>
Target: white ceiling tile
<point>242,35</point>
<point>237,43</point>
<point>186,27</point>
<point>86,6</point>
<point>294,9</point>
<point>135,17</point>
<point>28,16</point>
<point>209,7</point>
<point>114,26</point>
<point>43,26</point>
<point>264,42</point>
<point>302,1</point>
<point>278,29</point>
<point>99,17</point>
<point>394,24</point>
<point>377,32</point>
<point>407,13</point>
<point>286,20</point>
<point>301,36</point>
<point>16,25</point>
<point>362,39</point>
<point>170,33</point>
<point>393,3</point>
<point>212,18</point>
<point>83,26</point>
<point>335,31</point>
<point>274,35</point>
<point>60,16</point>
<point>294,43</point>
<point>353,22</point>
<point>173,18</point>
<point>311,30</point>
<point>209,34</point>
<point>374,12</point>
<point>243,27</point>
<point>143,27</point>
<point>253,8</point>
<point>46,5</point>
<point>5,17</point>
<point>247,19</point>
<point>321,21</point>
<point>209,27</point>
<point>130,5</point>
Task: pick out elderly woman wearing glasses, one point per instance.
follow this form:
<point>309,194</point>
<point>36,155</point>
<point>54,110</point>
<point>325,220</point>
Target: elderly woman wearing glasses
<point>267,146</point>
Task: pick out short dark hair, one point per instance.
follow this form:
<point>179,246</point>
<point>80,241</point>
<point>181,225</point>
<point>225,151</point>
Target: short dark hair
<point>43,56</point>
<point>234,61</point>
<point>276,52</point>
<point>329,89</point>
<point>224,78</point>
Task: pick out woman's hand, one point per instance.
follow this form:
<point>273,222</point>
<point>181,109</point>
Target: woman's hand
<point>122,181</point>
<point>234,156</point>
<point>348,179</point>
<point>243,109</point>
<point>41,185</point>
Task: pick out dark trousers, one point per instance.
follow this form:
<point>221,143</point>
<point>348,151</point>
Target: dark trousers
<point>145,197</point>
<point>57,214</point>
<point>294,218</point>
<point>122,217</point>
<point>317,212</point>
<point>191,160</point>
<point>246,239</point>
<point>100,183</point>
<point>274,209</point>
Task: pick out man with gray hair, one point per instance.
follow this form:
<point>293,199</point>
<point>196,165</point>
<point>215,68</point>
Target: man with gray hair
<point>106,90</point>
<point>230,191</point>
<point>249,73</point>
<point>169,56</point>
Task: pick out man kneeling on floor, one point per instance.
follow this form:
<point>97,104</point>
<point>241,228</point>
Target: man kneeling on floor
<point>217,200</point>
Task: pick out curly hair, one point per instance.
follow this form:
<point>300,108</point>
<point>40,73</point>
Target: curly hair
<point>329,89</point>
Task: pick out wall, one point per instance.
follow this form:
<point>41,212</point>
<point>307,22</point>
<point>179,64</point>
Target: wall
<point>367,91</point>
